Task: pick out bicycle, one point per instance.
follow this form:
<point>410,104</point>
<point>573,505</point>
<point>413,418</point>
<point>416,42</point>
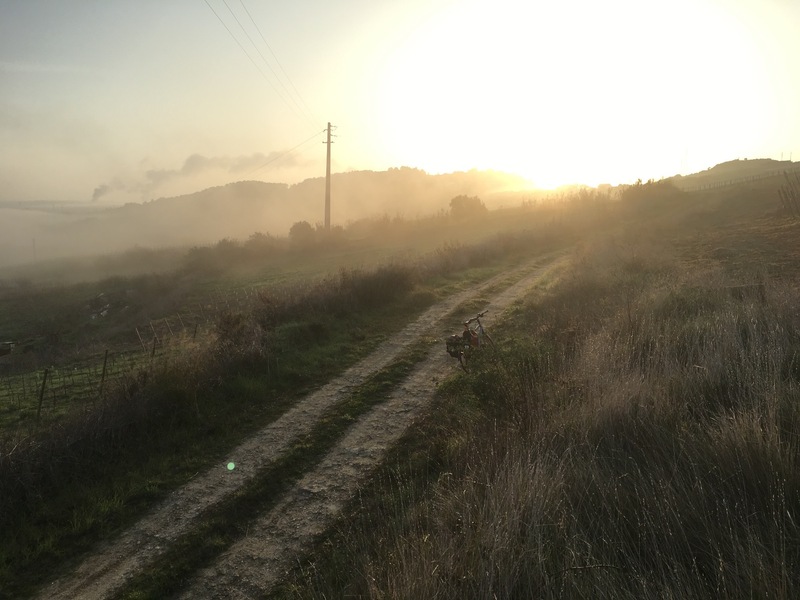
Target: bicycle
<point>462,346</point>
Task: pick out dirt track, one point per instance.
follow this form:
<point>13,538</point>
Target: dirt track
<point>252,565</point>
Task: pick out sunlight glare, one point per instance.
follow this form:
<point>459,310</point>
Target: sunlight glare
<point>574,92</point>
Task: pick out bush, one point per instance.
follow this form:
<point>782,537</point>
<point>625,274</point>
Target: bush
<point>302,235</point>
<point>467,207</point>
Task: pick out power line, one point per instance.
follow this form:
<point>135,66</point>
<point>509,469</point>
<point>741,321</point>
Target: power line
<point>266,62</point>
<point>235,39</point>
<point>282,154</point>
<point>280,66</point>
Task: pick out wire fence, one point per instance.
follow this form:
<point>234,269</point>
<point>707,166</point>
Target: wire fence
<point>694,186</point>
<point>31,396</point>
<point>34,389</point>
<point>789,194</point>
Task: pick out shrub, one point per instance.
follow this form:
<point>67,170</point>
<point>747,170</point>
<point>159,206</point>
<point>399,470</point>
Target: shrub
<point>467,207</point>
<point>302,235</point>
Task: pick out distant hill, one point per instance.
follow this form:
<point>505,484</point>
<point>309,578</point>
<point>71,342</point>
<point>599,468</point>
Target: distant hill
<point>237,210</point>
<point>732,172</point>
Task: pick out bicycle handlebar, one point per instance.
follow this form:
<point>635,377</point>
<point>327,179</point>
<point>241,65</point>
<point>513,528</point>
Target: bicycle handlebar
<point>475,318</point>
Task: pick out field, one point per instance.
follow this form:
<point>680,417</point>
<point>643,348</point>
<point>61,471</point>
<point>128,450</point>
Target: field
<point>634,434</point>
<point>71,330</point>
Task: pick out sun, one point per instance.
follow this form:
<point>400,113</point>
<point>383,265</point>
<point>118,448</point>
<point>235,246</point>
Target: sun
<point>572,92</point>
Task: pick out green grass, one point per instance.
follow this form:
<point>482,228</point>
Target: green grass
<point>216,530</point>
<point>171,420</point>
<point>182,440</point>
<point>68,388</point>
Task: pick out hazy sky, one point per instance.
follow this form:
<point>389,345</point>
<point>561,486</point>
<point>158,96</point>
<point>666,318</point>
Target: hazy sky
<point>131,100</point>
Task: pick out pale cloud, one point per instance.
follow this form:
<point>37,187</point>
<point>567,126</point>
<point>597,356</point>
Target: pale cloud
<point>197,163</point>
<point>100,191</point>
<point>105,189</point>
<point>197,170</point>
<point>257,162</point>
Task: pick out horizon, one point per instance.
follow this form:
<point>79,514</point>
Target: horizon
<point>10,203</point>
<point>127,101</point>
<point>33,231</point>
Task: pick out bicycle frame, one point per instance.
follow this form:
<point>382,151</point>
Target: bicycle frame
<point>461,346</point>
<point>480,331</point>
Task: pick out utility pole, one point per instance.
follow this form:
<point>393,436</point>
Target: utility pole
<point>328,181</point>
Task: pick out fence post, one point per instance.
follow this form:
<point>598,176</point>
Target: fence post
<point>141,341</point>
<point>153,329</point>
<point>41,395</point>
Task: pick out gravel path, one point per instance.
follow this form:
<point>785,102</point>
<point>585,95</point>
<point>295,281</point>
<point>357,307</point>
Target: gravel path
<point>252,565</point>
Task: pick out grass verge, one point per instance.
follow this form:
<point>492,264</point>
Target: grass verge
<point>635,437</point>
<point>217,530</point>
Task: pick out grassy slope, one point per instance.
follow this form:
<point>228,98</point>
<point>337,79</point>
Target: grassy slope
<point>635,436</point>
<point>88,476</point>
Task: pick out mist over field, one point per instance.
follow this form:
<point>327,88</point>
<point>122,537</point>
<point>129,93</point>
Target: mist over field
<point>33,233</point>
<point>40,231</point>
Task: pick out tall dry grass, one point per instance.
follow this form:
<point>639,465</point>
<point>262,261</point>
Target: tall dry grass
<point>641,441</point>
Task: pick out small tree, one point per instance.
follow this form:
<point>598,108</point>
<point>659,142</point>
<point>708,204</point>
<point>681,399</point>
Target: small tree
<point>302,234</point>
<point>467,207</point>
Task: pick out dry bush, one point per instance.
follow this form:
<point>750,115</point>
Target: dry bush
<point>348,290</point>
<point>239,334</point>
<point>377,287</point>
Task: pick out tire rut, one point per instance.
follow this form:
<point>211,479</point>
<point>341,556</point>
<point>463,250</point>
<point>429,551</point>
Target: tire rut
<point>113,563</point>
<point>253,565</point>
